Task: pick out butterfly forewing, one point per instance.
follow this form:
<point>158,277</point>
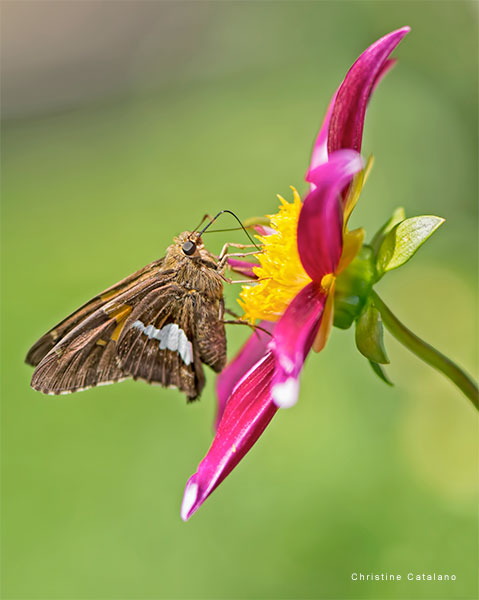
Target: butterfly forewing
<point>83,362</point>
<point>55,335</point>
<point>86,355</point>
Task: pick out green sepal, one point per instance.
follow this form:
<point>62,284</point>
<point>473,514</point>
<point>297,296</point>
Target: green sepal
<point>398,216</point>
<point>353,287</point>
<point>403,241</point>
<point>380,373</point>
<point>370,335</point>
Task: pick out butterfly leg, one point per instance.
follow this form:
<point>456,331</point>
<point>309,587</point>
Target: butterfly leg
<point>224,250</point>
<point>232,313</point>
<point>224,259</point>
<point>222,310</point>
<point>247,323</point>
<point>243,281</point>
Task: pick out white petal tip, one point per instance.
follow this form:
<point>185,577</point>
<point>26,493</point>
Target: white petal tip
<point>189,498</point>
<point>356,163</point>
<point>285,395</point>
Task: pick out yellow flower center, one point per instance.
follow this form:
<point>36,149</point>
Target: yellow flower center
<point>281,275</point>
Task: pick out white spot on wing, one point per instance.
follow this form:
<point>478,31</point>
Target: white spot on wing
<point>150,331</point>
<point>171,337</point>
<point>187,353</point>
<point>138,325</point>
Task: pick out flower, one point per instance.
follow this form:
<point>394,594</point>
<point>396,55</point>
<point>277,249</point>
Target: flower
<point>298,269</point>
<point>297,272</point>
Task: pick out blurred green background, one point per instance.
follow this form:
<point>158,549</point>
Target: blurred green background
<point>123,124</point>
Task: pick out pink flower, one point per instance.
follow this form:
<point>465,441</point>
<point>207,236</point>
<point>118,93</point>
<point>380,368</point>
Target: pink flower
<point>264,375</point>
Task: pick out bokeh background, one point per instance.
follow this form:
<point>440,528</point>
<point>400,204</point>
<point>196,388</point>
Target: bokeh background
<point>124,122</point>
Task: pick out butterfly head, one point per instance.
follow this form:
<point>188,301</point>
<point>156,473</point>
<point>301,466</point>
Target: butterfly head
<point>187,246</point>
<point>190,244</point>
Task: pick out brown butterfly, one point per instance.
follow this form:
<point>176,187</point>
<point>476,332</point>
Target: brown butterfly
<point>159,324</point>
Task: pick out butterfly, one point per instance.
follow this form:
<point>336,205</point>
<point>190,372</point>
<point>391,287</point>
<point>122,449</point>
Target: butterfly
<point>160,325</point>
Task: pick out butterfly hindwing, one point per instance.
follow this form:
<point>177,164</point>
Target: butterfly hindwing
<point>210,332</point>
<point>158,343</point>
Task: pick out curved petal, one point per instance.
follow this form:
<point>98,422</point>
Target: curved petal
<point>347,118</point>
<point>247,357</point>
<point>320,150</point>
<point>248,412</point>
<point>293,337</point>
<point>319,154</point>
<point>320,225</point>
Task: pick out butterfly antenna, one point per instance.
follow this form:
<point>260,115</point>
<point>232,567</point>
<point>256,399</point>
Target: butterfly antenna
<point>224,230</point>
<point>241,224</point>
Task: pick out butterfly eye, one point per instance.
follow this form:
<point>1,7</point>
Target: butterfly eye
<point>189,248</point>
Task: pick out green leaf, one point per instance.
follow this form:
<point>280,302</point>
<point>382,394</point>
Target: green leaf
<point>403,241</point>
<point>369,335</point>
<point>398,216</point>
<point>380,372</point>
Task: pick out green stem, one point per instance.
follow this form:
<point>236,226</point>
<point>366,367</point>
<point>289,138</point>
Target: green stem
<point>428,354</point>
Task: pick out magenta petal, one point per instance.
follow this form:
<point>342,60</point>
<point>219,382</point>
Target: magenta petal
<point>248,412</point>
<point>264,230</point>
<point>249,355</point>
<point>242,267</point>
<point>320,149</point>
<point>320,225</point>
<point>293,337</point>
<point>347,119</point>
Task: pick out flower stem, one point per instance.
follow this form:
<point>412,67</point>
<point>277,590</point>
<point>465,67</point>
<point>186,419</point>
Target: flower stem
<point>426,352</point>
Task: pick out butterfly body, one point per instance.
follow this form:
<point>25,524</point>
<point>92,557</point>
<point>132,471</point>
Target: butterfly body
<point>160,324</point>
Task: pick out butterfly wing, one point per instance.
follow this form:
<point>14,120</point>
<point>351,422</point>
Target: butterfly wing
<point>158,343</point>
<point>169,335</point>
<point>147,327</point>
<point>86,359</point>
<point>87,354</point>
<point>43,346</point>
<point>210,332</point>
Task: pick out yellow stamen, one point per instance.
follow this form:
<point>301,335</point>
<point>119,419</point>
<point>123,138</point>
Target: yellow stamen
<point>281,274</point>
